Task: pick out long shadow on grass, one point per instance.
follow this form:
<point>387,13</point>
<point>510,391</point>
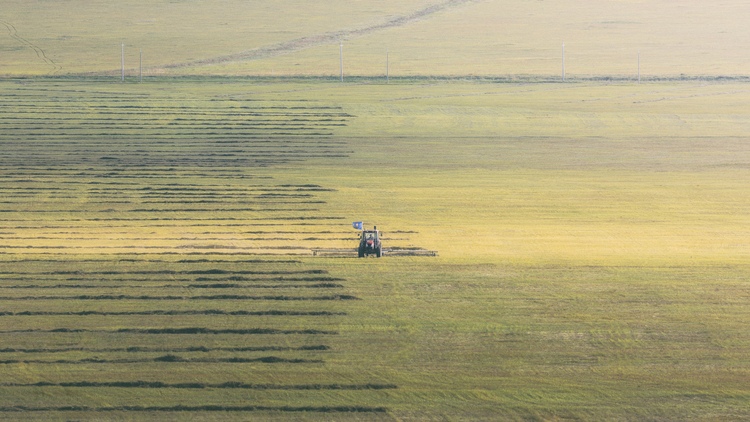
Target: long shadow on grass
<point>165,358</point>
<point>184,330</point>
<point>207,297</point>
<point>225,385</point>
<point>139,349</point>
<point>176,312</point>
<point>206,408</point>
<point>179,286</point>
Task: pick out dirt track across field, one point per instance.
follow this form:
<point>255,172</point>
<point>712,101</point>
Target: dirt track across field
<point>26,43</point>
<point>320,39</point>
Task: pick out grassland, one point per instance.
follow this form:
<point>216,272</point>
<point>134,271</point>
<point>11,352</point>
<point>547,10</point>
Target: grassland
<point>433,38</point>
<point>157,237</point>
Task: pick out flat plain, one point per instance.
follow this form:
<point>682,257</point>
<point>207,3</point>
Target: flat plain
<point>163,242</point>
<point>414,38</point>
<point>158,238</point>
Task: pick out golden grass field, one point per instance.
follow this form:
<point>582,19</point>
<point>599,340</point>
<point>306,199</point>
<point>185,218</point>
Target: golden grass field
<point>594,274</point>
<point>591,236</point>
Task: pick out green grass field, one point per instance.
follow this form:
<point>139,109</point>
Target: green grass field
<point>172,249</point>
<point>157,251</point>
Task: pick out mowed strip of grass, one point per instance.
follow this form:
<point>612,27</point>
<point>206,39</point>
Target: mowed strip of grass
<point>107,169</point>
<point>230,347</point>
<point>98,334</point>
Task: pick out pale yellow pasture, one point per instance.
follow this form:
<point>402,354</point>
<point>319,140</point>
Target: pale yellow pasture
<point>581,173</point>
<point>421,38</point>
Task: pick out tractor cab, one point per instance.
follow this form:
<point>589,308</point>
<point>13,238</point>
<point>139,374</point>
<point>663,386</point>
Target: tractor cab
<point>369,243</point>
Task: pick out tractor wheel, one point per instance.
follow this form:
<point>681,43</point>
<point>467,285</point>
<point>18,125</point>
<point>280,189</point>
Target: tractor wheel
<point>378,252</point>
<point>361,252</point>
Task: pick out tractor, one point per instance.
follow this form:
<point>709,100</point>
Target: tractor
<point>369,243</point>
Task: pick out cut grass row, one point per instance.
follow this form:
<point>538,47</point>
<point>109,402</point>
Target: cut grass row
<point>225,335</point>
<point>240,324</point>
<point>57,176</point>
<point>95,181</point>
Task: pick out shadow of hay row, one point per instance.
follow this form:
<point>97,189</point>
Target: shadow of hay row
<point>161,144</point>
<point>165,358</point>
<point>205,408</point>
<point>148,261</point>
<point>109,237</point>
<point>178,286</point>
<point>206,297</point>
<point>224,385</point>
<point>144,260</point>
<point>191,188</point>
<point>208,222</point>
<point>212,210</point>
<point>197,248</point>
<point>158,210</point>
<point>24,117</point>
<point>139,349</point>
<point>167,252</point>
<point>104,103</point>
<point>124,113</point>
<point>159,129</point>
<point>121,279</point>
<point>175,312</point>
<point>186,330</point>
<point>262,286</point>
<point>175,272</point>
<point>42,132</point>
<point>204,201</point>
<point>294,279</point>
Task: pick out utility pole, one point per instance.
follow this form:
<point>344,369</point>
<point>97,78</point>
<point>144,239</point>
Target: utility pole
<point>386,66</point>
<point>563,62</point>
<point>639,66</point>
<point>140,66</point>
<point>122,62</point>
<point>341,59</point>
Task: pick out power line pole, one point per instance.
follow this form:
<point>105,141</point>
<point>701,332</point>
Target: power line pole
<point>122,62</point>
<point>341,59</point>
<point>386,66</point>
<point>140,66</point>
<point>639,66</point>
<point>563,62</point>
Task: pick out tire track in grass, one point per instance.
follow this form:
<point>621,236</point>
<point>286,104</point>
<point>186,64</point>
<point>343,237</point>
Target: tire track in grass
<point>13,32</point>
<point>321,39</point>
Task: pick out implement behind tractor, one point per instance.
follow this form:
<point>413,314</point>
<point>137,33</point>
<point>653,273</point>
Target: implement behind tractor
<point>370,244</point>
